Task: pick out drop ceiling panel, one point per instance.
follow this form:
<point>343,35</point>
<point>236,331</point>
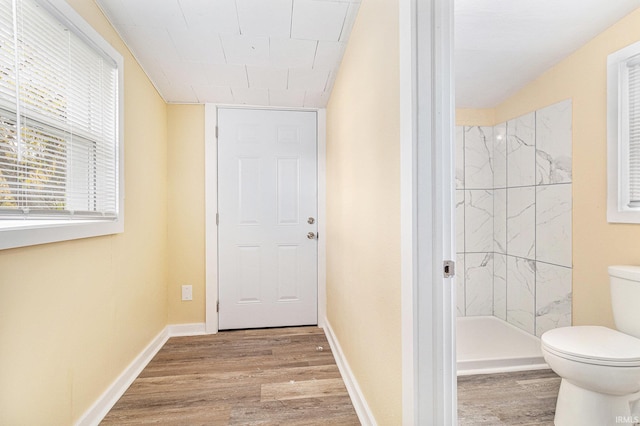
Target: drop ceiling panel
<point>314,79</point>
<point>203,47</point>
<point>350,19</point>
<point>214,94</point>
<point>267,78</point>
<point>318,20</point>
<point>193,72</point>
<point>149,42</point>
<point>313,99</point>
<point>286,98</point>
<point>291,53</point>
<point>328,52</point>
<point>250,96</point>
<point>219,16</point>
<point>246,50</point>
<point>265,17</point>
<point>182,93</point>
<point>255,52</point>
<point>156,14</point>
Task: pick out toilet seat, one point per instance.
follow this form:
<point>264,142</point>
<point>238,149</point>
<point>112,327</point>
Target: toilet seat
<point>593,345</point>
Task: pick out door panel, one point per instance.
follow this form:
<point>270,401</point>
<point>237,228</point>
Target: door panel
<point>267,191</point>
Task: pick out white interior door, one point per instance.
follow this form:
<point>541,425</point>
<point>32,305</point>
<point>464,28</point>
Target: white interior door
<point>267,205</point>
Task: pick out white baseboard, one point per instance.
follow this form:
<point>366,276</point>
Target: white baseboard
<point>355,393</point>
<point>195,329</point>
<point>106,401</point>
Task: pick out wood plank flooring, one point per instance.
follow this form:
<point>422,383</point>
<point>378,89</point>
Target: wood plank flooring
<point>247,377</point>
<point>521,398</point>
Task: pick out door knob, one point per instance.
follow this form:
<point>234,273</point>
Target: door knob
<point>311,235</point>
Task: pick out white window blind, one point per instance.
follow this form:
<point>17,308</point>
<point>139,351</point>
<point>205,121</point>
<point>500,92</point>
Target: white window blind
<point>58,118</point>
<point>633,111</point>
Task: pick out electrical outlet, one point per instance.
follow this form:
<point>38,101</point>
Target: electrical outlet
<point>187,292</point>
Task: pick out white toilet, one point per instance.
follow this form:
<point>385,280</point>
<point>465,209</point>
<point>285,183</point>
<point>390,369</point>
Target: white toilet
<point>600,367</point>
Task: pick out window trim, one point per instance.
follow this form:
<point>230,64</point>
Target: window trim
<point>27,232</point>
<point>618,210</point>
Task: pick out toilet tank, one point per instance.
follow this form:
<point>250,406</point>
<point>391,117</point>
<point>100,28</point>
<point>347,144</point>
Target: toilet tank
<point>625,298</point>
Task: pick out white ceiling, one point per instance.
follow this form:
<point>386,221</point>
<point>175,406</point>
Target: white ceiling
<point>501,45</point>
<point>258,52</point>
<point>287,52</point>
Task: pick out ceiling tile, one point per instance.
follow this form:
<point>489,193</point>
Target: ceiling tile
<point>352,12</point>
<point>308,79</point>
<point>289,53</point>
<point>265,17</point>
<point>286,98</point>
<point>246,50</point>
<point>228,75</point>
<point>202,46</point>
<point>328,54</point>
<point>267,78</point>
<point>214,94</point>
<point>156,14</point>
<point>179,94</point>
<point>186,72</point>
<point>313,99</point>
<point>227,52</point>
<point>258,97</point>
<point>214,15</point>
<point>318,20</point>
<point>149,42</point>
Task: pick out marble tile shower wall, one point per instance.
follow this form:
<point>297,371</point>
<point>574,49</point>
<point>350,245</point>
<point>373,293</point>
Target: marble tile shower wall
<point>513,219</point>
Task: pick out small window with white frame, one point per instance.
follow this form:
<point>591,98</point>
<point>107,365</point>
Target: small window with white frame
<point>623,135</point>
<point>61,147</point>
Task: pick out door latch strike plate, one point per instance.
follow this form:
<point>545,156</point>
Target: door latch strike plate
<point>449,268</point>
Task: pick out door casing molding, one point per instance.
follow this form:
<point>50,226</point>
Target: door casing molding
<point>427,225</point>
<point>211,208</point>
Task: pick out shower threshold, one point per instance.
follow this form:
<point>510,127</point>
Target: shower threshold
<point>488,344</point>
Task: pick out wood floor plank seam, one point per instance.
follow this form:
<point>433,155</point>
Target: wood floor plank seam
<point>278,376</point>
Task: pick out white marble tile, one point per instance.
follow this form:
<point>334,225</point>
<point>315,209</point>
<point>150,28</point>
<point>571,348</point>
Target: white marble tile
<point>553,143</point>
<point>460,274</point>
<point>500,286</point>
<point>520,293</point>
<point>500,221</point>
<point>478,147</point>
<point>500,156</point>
<point>459,157</point>
<point>521,221</point>
<point>553,224</point>
<point>479,284</point>
<point>521,151</point>
<point>460,221</point>
<point>478,221</point>
<point>553,297</point>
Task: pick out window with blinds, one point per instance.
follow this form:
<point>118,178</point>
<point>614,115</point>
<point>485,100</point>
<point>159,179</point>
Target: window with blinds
<point>632,111</point>
<point>623,135</point>
<point>59,117</point>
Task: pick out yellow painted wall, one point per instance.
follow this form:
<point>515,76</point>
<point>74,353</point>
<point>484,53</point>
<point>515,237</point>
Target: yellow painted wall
<point>73,315</point>
<point>597,244</point>
<point>475,117</point>
<point>185,124</point>
<point>363,208</point>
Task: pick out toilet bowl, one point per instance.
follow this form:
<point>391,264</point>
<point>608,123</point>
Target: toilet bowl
<point>599,366</point>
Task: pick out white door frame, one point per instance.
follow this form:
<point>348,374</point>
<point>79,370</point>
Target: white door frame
<point>427,120</point>
<point>211,208</point>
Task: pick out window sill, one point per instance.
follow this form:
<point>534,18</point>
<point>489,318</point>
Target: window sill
<point>23,233</point>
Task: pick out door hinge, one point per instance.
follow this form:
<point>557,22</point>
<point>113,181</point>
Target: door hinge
<point>449,268</point>
<point>218,306</point>
<point>217,219</point>
<point>216,132</point>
